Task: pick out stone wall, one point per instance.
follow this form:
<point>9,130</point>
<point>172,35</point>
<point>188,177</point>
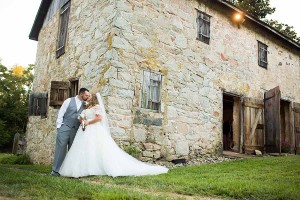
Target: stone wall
<point>110,44</point>
<point>161,36</point>
<point>88,56</point>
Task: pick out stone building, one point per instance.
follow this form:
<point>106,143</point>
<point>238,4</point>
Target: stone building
<point>171,72</point>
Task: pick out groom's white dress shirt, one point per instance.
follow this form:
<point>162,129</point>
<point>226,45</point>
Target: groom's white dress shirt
<point>64,108</point>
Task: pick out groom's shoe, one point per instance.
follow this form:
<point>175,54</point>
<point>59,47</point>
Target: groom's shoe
<point>53,173</point>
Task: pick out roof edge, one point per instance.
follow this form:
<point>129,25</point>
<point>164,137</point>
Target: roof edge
<point>39,19</point>
<point>44,6</point>
<point>260,22</point>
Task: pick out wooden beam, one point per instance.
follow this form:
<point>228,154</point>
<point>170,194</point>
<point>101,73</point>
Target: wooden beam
<point>253,127</point>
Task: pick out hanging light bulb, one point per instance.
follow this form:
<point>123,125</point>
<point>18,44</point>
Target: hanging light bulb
<point>238,18</point>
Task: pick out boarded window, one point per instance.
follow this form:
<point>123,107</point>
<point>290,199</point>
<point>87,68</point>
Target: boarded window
<point>59,93</point>
<point>73,88</point>
<point>151,90</point>
<point>203,27</point>
<point>262,55</point>
<point>38,104</point>
<point>63,27</point>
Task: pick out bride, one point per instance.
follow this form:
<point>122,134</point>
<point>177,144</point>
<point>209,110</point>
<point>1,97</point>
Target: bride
<point>94,152</point>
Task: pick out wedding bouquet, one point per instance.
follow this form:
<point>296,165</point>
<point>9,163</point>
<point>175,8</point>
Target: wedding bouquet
<point>82,116</point>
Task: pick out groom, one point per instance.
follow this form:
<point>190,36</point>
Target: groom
<point>67,125</point>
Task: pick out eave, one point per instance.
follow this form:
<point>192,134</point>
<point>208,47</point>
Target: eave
<point>39,19</point>
<point>260,23</point>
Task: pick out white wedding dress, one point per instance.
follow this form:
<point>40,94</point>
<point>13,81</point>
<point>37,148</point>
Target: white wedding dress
<point>94,152</point>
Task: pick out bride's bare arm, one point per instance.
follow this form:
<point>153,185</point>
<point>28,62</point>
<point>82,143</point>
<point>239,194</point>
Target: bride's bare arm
<point>98,118</point>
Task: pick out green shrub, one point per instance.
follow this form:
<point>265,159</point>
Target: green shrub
<point>11,159</point>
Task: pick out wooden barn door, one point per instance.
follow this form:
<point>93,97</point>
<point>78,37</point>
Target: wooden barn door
<point>297,127</point>
<point>272,120</point>
<point>253,125</point>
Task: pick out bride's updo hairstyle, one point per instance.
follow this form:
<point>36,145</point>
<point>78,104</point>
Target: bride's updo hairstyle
<point>93,100</point>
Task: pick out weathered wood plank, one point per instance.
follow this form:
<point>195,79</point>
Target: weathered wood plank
<point>253,127</point>
<point>253,103</point>
<point>59,92</point>
<point>260,131</point>
<point>236,124</point>
<point>254,138</point>
<point>272,120</point>
<point>297,127</point>
<point>146,89</point>
<point>247,124</point>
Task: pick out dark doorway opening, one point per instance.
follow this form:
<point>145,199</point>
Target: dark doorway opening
<point>227,122</point>
<point>231,122</point>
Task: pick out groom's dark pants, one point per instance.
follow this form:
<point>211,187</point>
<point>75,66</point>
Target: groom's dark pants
<point>64,139</point>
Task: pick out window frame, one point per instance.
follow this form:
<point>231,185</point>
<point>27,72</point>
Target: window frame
<point>74,83</point>
<point>262,50</point>
<point>203,20</point>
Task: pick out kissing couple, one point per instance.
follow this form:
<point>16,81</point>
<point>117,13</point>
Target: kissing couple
<point>92,150</point>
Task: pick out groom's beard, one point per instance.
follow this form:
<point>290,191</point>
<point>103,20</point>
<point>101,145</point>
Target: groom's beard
<point>84,99</point>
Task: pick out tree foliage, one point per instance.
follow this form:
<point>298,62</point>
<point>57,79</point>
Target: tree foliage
<point>262,8</point>
<point>15,85</point>
<point>284,29</point>
<point>258,8</point>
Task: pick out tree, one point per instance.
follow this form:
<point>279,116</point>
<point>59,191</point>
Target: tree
<point>258,8</point>
<point>15,85</point>
<point>284,29</point>
<point>262,8</point>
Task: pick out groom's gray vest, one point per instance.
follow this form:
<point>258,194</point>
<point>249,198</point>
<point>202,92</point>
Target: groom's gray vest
<point>71,115</point>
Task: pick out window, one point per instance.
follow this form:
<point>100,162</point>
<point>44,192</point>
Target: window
<point>151,90</point>
<point>73,87</point>
<point>63,27</point>
<point>262,55</point>
<point>59,92</point>
<point>38,104</point>
<point>203,27</point>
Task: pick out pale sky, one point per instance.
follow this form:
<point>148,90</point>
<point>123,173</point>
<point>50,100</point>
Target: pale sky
<point>17,17</point>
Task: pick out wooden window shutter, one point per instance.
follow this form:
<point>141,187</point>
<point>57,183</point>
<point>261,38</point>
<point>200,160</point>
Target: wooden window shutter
<point>31,104</point>
<point>38,104</point>
<point>59,92</point>
<point>151,90</point>
<point>262,55</point>
<point>42,105</point>
<point>63,27</point>
<point>155,84</point>
<point>145,89</point>
<point>203,27</point>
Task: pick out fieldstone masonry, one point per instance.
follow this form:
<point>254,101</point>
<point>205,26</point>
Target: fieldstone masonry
<point>111,42</point>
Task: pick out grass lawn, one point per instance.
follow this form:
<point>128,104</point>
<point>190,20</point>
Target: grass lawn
<point>251,178</point>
